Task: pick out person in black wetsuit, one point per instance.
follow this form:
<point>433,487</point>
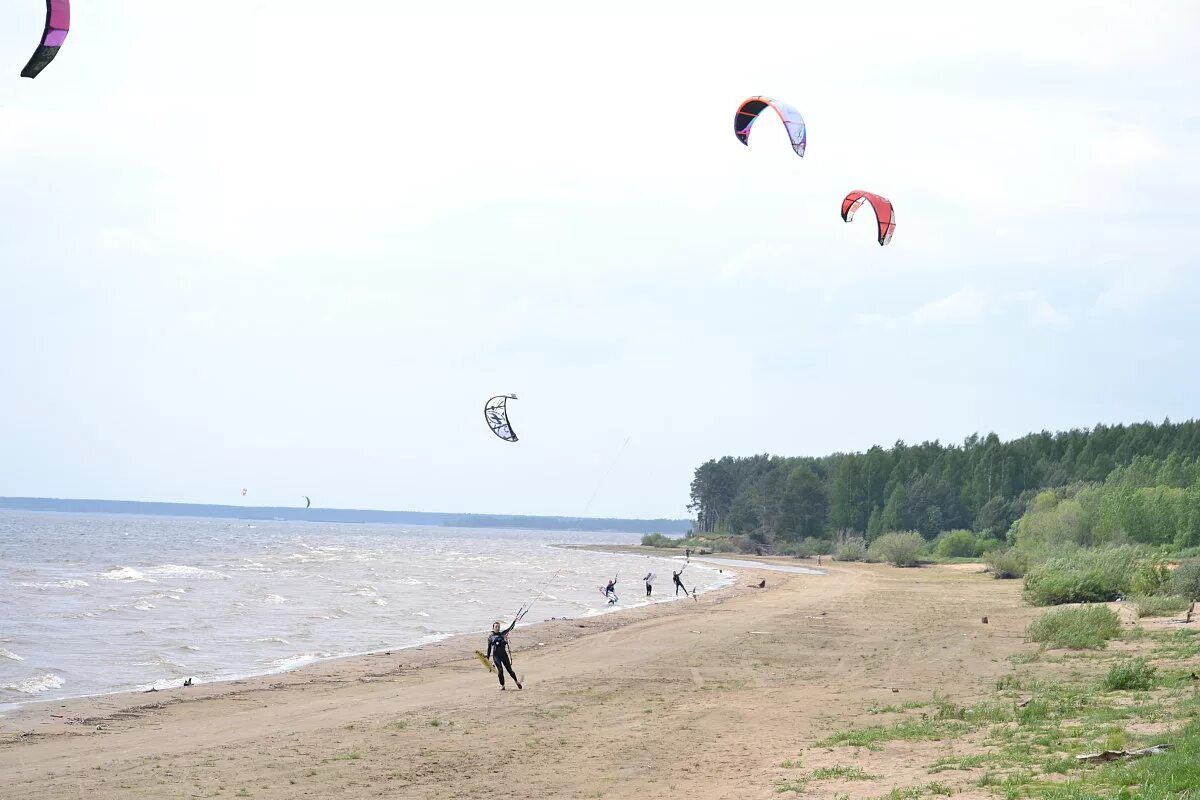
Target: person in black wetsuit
<point>498,652</point>
<point>679,583</point>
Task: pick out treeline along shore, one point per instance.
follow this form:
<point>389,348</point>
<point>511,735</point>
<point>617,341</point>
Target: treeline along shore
<point>1140,481</point>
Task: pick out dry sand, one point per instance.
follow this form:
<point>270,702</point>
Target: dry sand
<point>699,700</point>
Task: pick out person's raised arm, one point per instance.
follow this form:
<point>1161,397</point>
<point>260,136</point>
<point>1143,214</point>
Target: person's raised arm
<point>508,630</point>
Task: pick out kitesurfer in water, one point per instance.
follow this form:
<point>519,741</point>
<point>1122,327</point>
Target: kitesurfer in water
<point>498,652</point>
<point>610,591</point>
<point>679,583</point>
<point>649,579</point>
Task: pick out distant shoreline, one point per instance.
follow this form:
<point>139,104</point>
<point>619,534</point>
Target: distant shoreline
<point>344,515</point>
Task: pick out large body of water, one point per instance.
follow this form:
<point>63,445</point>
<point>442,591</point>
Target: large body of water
<point>104,603</point>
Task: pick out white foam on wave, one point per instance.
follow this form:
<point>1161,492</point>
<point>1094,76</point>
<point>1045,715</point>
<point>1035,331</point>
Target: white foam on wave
<point>273,640</point>
<point>274,599</point>
<point>126,575</point>
<point>10,655</point>
<point>143,606</point>
<point>183,571</point>
<point>299,660</point>
<point>379,601</point>
<point>36,684</point>
<point>67,584</point>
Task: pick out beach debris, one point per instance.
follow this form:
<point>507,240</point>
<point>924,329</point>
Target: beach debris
<point>985,622</point>
<point>694,631</point>
<point>1122,755</point>
<point>188,682</point>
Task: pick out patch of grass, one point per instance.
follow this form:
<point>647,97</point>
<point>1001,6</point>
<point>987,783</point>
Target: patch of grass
<point>1173,775</point>
<point>791,763</point>
<point>1087,628</point>
<point>1135,674</point>
<point>841,773</point>
<point>434,723</point>
<point>908,729</point>
<point>1158,605</point>
<point>960,762</point>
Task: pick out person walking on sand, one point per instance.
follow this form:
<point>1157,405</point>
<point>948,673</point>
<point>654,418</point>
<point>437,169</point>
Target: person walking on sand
<point>610,592</point>
<point>498,652</point>
<point>649,579</point>
<point>679,583</point>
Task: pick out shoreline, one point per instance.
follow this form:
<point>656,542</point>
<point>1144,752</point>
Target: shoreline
<point>444,650</point>
<point>713,700</point>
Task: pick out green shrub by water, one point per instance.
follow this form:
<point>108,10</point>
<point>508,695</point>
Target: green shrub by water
<point>1087,628</point>
<point>1083,576</point>
<point>902,549</point>
<point>852,548</point>
<point>658,540</point>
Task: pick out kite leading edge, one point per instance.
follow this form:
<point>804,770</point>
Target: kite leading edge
<point>58,22</point>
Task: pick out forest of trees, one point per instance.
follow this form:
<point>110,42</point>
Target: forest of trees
<point>983,484</point>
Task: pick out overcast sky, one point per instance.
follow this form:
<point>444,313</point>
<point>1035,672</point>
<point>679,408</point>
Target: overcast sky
<point>293,246</point>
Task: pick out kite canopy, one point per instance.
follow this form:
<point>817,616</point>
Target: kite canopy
<point>884,213</point>
<point>58,22</point>
<point>495,412</point>
<point>744,119</point>
<point>307,502</point>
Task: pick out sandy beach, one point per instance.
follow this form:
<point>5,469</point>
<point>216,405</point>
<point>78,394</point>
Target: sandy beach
<point>700,699</point>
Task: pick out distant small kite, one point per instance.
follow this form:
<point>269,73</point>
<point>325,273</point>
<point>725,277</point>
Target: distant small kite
<point>749,110</point>
<point>243,492</point>
<point>885,215</point>
<point>58,22</point>
<point>495,412</point>
<point>307,502</point>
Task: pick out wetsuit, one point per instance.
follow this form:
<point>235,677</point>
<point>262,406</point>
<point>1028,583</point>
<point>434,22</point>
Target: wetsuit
<point>678,583</point>
<point>498,652</point>
<point>610,592</point>
<point>649,579</point>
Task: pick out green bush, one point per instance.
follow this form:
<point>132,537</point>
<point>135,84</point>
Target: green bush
<point>1185,580</point>
<point>1158,605</point>
<point>806,548</point>
<point>852,548</point>
<point>658,540</point>
<point>1149,577</point>
<point>1134,674</point>
<point>957,544</point>
<point>1084,576</point>
<point>1009,563</point>
<point>903,549</point>
<point>1087,628</point>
